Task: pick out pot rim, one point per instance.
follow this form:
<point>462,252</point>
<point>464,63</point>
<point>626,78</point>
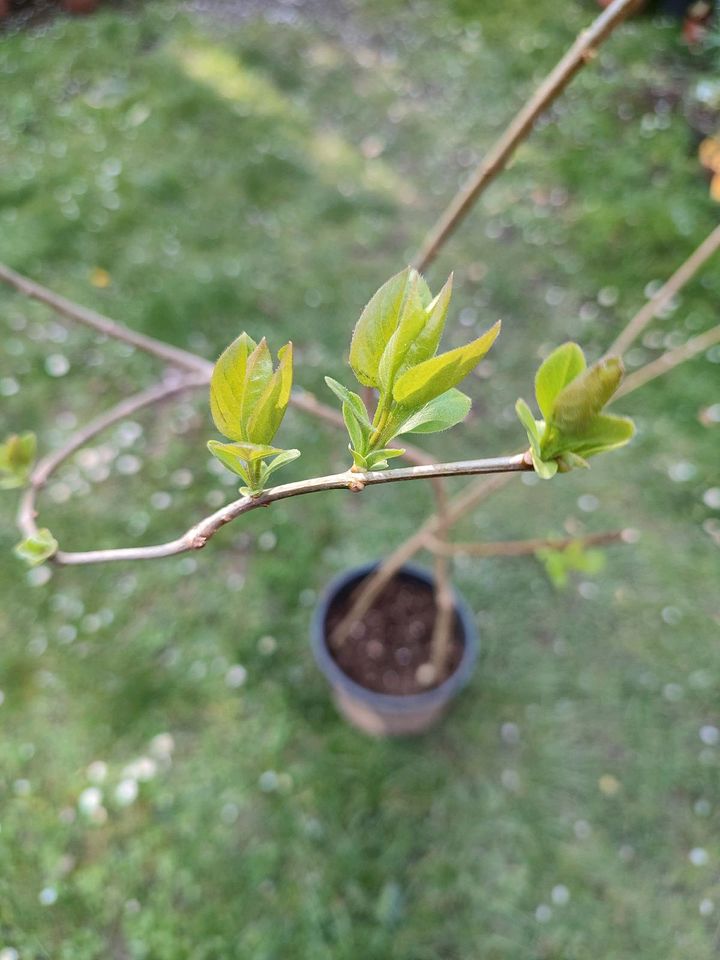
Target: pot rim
<point>386,702</point>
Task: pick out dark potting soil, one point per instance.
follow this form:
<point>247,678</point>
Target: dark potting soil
<point>386,647</point>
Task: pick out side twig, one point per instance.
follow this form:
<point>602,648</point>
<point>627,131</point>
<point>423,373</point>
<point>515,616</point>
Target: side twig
<point>668,361</point>
<point>650,309</point>
<point>47,465</point>
<point>102,324</point>
<point>579,55</point>
<point>444,600</point>
<point>520,548</point>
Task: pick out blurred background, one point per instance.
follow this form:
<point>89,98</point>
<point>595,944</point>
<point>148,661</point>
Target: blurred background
<point>174,780</point>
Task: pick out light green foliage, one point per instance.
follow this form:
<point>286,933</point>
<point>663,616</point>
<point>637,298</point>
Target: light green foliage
<point>17,456</point>
<point>571,397</point>
<point>248,400</point>
<point>393,349</point>
<point>559,564</point>
<point>37,549</point>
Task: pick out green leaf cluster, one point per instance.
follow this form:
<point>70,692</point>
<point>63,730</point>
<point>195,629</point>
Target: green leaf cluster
<point>559,564</point>
<point>38,548</point>
<point>17,456</point>
<point>394,351</point>
<point>248,400</point>
<point>571,397</point>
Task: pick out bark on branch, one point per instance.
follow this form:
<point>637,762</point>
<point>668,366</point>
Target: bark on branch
<point>520,548</point>
<point>579,55</point>
<point>199,534</point>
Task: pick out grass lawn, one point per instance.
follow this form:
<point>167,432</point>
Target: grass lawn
<point>174,781</point>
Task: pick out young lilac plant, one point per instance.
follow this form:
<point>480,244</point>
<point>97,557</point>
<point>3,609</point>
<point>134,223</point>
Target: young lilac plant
<point>394,351</point>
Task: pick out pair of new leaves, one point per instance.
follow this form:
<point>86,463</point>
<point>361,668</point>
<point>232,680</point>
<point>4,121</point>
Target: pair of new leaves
<point>571,398</point>
<point>17,456</point>
<point>394,351</point>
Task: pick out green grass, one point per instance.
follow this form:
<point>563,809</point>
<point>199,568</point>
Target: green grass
<point>218,174</point>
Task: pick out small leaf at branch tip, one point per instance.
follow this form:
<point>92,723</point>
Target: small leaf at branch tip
<point>38,548</point>
<point>17,455</point>
<point>571,396</point>
<point>248,398</point>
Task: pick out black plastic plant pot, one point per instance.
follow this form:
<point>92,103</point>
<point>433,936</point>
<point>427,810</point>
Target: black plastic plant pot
<point>381,714</point>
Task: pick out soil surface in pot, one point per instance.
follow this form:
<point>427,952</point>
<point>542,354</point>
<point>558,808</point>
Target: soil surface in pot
<point>385,648</point>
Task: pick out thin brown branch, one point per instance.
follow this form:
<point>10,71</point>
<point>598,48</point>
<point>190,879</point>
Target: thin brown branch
<point>579,55</point>
<point>102,324</point>
<point>668,361</point>
<point>519,548</point>
<point>444,600</point>
<point>198,535</point>
<point>48,464</point>
<point>656,303</point>
<point>443,626</point>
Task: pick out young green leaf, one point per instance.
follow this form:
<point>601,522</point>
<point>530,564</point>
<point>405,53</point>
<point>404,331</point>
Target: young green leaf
<point>571,397</point>
<point>377,460</point>
<point>603,432</point>
<point>246,460</point>
<point>358,459</point>
<point>269,408</point>
<point>575,557</point>
<point>411,321</point>
<point>258,375</point>
<point>427,342</point>
<point>532,427</point>
<point>357,432</point>
<point>38,548</point>
<point>17,456</point>
<point>420,384</point>
<point>347,396</point>
<point>378,322</point>
<point>586,395</point>
<point>571,461</point>
<point>231,453</point>
<point>439,414</point>
<point>559,369</point>
<point>281,460</point>
<point>227,387</point>
<point>248,402</point>
<point>545,469</point>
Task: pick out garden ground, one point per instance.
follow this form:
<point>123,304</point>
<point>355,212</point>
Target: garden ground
<point>174,779</point>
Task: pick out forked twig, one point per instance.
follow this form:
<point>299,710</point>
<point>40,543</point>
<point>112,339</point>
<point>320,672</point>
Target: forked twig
<point>652,307</point>
<point>669,360</point>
